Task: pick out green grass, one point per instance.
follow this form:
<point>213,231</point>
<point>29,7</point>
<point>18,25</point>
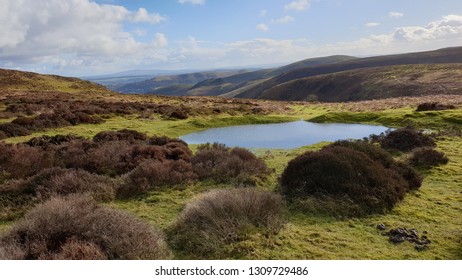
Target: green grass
<point>395,118</point>
<point>159,126</point>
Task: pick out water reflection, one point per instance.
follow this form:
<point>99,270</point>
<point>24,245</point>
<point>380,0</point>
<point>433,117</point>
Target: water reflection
<point>282,135</point>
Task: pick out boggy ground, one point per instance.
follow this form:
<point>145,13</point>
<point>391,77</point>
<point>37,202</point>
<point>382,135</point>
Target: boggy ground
<point>435,208</point>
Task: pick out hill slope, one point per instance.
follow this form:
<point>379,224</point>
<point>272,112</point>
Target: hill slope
<point>448,55</point>
<point>16,81</point>
<point>165,82</point>
<point>372,83</point>
<point>240,82</point>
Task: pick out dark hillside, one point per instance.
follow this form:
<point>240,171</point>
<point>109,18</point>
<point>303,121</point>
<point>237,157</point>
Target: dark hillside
<point>240,82</point>
<point>372,83</point>
<point>448,55</point>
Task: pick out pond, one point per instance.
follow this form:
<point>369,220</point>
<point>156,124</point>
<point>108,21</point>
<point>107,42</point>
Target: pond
<point>287,135</point>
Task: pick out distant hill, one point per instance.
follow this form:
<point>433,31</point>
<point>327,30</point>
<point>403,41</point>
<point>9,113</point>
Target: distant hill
<point>115,80</point>
<point>263,90</point>
<point>236,84</point>
<point>372,83</point>
<point>166,82</point>
<point>16,81</point>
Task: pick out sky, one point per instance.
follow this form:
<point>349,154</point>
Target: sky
<point>85,37</point>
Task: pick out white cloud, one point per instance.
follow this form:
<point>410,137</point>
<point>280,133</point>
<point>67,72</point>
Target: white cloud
<point>142,15</point>
<point>297,5</point>
<point>160,40</point>
<point>80,32</point>
<point>262,27</point>
<point>449,27</point>
<point>395,14</point>
<point>283,20</point>
<point>372,24</point>
<point>193,2</point>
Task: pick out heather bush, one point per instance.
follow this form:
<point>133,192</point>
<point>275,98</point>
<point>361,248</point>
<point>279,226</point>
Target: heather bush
<point>210,224</point>
<point>45,140</point>
<point>346,175</point>
<point>20,161</point>
<point>406,139</point>
<point>129,135</point>
<point>154,174</point>
<point>61,182</point>
<point>77,227</point>
<point>434,106</point>
<point>427,157</point>
<point>3,135</point>
<point>228,165</point>
<point>13,130</point>
<point>376,153</point>
<point>116,153</point>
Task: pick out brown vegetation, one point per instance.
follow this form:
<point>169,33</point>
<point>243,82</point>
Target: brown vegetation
<point>232,165</point>
<point>218,218</point>
<point>77,228</point>
<point>427,157</point>
<point>361,184</point>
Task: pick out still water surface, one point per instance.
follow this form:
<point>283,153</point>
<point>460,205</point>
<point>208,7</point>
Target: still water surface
<point>282,135</point>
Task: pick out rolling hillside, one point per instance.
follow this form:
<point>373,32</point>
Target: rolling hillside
<point>372,83</point>
<point>236,84</point>
<point>17,81</point>
<point>448,55</point>
<point>163,84</point>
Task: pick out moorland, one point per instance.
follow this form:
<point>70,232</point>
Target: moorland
<point>89,173</point>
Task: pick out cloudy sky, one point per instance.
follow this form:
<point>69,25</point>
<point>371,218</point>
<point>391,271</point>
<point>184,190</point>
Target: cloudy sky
<point>90,37</point>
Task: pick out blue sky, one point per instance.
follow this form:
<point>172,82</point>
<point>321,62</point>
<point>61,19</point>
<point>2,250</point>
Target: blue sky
<point>84,37</point>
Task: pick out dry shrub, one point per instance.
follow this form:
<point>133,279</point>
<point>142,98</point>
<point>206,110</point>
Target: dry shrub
<point>346,175</point>
<point>77,223</point>
<point>13,130</point>
<point>406,139</point>
<point>434,106</point>
<point>45,140</point>
<point>222,217</point>
<point>154,174</point>
<point>228,165</point>
<point>109,155</point>
<point>20,161</point>
<point>61,182</point>
<point>376,153</point>
<point>3,135</point>
<point>74,249</point>
<point>427,157</point>
<point>129,135</point>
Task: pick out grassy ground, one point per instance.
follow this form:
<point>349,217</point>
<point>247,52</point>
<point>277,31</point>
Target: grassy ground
<point>435,208</point>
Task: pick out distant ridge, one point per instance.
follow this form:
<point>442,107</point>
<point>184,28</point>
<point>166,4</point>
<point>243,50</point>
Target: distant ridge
<point>447,55</point>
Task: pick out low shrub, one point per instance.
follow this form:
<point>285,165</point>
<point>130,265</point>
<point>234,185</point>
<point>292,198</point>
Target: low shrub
<point>434,106</point>
<point>344,174</point>
<point>406,139</point>
<point>109,155</point>
<point>212,222</point>
<point>376,153</point>
<point>129,135</point>
<point>427,157</point>
<point>45,140</point>
<point>228,165</point>
<point>61,182</point>
<point>20,161</point>
<point>154,174</point>
<point>14,130</point>
<point>76,227</point>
